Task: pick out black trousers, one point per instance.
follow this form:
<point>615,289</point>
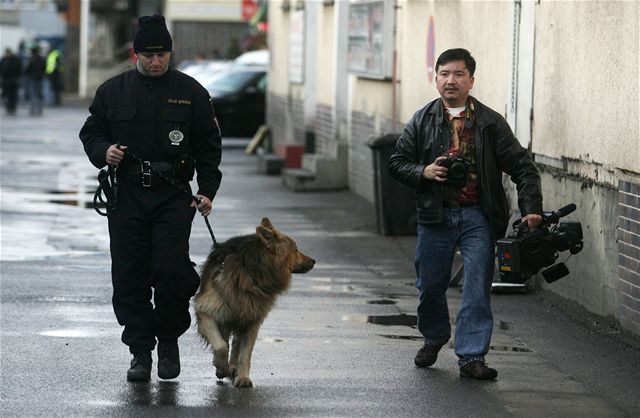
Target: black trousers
<point>149,233</point>
<point>10,95</point>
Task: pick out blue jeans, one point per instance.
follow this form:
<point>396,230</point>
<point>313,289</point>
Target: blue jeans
<point>35,96</point>
<point>468,228</point>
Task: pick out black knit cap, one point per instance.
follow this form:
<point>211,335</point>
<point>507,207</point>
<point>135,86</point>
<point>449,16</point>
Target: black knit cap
<point>152,35</point>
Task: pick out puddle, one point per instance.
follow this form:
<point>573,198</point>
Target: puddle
<point>382,302</point>
<point>72,333</point>
<point>402,337</point>
<point>398,320</point>
<point>334,288</point>
<point>511,348</point>
<point>76,299</point>
<point>75,202</point>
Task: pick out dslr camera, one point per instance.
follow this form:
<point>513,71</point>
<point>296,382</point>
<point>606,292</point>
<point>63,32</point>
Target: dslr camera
<point>525,252</point>
<point>457,169</point>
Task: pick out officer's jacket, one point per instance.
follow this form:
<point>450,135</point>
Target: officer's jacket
<point>427,136</point>
<point>141,112</point>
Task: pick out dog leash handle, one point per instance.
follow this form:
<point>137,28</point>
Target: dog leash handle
<point>206,220</point>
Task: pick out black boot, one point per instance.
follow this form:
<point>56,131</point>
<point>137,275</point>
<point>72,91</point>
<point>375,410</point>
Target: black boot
<point>478,370</point>
<point>427,355</point>
<point>140,370</point>
<point>168,359</point>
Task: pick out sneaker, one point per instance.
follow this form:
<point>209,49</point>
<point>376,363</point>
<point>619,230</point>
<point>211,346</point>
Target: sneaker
<point>168,359</point>
<point>478,370</point>
<point>427,355</point>
<point>140,370</point>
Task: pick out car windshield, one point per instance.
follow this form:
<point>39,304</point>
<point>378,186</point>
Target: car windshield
<point>231,82</point>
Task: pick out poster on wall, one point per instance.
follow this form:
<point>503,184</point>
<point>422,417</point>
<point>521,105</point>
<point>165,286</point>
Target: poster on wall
<point>296,46</point>
<point>370,47</point>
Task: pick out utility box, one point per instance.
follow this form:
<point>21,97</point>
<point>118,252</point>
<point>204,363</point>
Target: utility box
<point>395,202</point>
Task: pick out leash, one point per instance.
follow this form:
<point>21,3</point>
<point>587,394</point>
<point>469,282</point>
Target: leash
<point>109,189</point>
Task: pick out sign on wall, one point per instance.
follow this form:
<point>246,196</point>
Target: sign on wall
<point>296,46</point>
<point>370,48</point>
<point>431,50</point>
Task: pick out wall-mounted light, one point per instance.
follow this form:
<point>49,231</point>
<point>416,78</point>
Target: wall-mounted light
<point>285,6</point>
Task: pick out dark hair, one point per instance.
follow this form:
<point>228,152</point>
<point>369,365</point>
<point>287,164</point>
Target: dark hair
<point>457,54</point>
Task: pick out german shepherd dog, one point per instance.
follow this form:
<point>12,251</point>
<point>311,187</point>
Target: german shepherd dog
<point>241,280</point>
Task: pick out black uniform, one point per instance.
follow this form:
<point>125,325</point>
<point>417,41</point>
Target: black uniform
<point>168,121</point>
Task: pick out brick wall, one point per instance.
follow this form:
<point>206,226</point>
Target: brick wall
<point>324,129</point>
<point>296,109</point>
<point>363,128</point>
<point>276,106</point>
<point>629,254</point>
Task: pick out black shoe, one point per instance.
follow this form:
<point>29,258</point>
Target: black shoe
<point>140,370</point>
<point>478,370</point>
<point>427,355</point>
<point>168,359</point>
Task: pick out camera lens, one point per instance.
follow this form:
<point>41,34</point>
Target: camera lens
<point>457,170</point>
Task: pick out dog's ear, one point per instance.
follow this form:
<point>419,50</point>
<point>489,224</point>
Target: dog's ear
<point>267,236</point>
<point>267,223</point>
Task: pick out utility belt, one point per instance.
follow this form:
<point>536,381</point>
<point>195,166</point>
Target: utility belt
<point>148,173</point>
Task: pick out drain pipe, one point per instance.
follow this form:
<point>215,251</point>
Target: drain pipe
<point>85,6</point>
<point>394,74</point>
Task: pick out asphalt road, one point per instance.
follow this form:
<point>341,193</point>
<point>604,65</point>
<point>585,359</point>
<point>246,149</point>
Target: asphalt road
<point>340,343</point>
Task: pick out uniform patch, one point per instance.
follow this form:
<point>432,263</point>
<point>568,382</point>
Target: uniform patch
<point>179,101</point>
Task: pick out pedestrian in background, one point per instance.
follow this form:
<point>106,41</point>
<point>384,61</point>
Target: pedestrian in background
<point>10,72</point>
<point>35,73</point>
<point>54,74</point>
<point>156,125</point>
<point>461,202</point>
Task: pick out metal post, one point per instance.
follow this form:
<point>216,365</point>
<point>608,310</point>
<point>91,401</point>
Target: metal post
<point>85,6</point>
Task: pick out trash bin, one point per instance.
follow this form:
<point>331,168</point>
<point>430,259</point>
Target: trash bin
<point>395,202</point>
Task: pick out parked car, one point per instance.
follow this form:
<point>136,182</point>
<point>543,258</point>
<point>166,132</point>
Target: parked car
<point>205,71</point>
<point>239,100</point>
<point>252,58</point>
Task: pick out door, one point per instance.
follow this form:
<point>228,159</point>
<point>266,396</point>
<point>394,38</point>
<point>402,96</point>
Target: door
<point>520,80</point>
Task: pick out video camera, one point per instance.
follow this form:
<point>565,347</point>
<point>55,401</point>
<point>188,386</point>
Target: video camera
<point>525,252</point>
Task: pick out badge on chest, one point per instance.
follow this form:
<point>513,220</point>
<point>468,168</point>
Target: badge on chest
<point>176,137</point>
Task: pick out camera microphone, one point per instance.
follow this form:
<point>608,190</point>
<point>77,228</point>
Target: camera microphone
<point>563,211</point>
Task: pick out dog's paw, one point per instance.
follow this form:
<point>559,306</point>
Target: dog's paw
<point>242,382</point>
<point>226,371</point>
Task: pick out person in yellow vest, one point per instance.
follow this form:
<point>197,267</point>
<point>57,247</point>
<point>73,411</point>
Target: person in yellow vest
<point>54,74</point>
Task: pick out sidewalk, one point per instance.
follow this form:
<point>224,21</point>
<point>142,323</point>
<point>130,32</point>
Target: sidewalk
<point>341,342</point>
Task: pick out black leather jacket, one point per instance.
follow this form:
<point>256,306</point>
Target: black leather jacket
<point>426,137</point>
<point>140,112</point>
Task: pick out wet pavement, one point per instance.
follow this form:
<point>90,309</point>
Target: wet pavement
<point>340,343</point>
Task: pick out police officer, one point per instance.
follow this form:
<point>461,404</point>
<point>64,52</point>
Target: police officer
<point>155,124</point>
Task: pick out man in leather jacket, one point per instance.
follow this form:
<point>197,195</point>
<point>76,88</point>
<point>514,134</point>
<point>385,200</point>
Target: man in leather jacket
<point>453,152</point>
<point>155,125</point>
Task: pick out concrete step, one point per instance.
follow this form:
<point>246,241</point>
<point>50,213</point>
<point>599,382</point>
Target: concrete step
<point>270,164</point>
<point>319,172</point>
<point>299,179</point>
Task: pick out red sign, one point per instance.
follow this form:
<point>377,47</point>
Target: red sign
<point>431,50</point>
<point>249,8</point>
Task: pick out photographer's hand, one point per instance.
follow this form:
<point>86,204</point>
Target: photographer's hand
<point>532,220</point>
<point>435,171</point>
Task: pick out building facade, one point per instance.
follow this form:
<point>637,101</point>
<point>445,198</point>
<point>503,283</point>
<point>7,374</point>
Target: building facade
<point>564,75</point>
